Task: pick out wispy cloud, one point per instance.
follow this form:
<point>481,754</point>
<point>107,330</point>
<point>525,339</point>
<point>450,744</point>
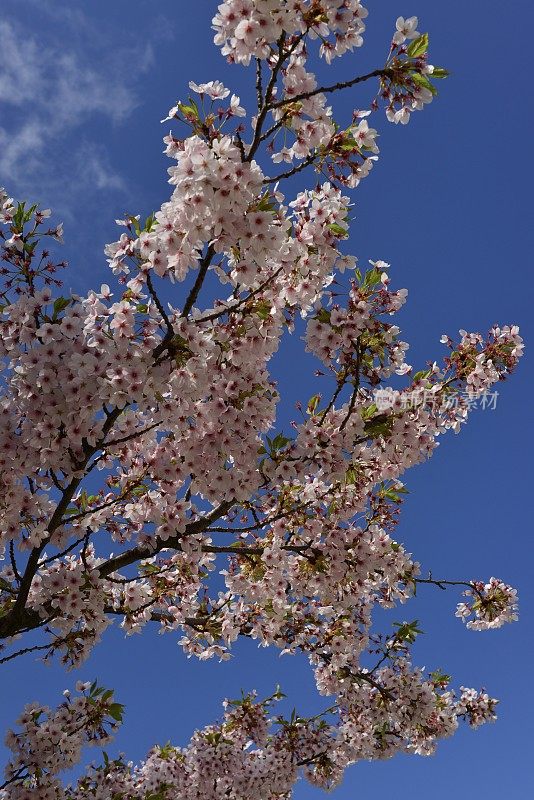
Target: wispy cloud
<point>92,167</point>
<point>52,85</point>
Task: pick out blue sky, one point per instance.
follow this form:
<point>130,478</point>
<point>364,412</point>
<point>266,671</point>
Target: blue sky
<point>83,86</point>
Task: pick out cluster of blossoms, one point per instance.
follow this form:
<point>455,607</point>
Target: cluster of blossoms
<point>135,455</point>
<point>51,740</point>
<point>492,605</point>
<point>248,755</point>
<point>246,29</point>
<point>481,369</point>
<point>338,336</point>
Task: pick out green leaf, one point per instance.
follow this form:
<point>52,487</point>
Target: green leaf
<point>338,231</point>
<point>59,304</point>
<point>166,751</point>
<point>150,222</point>
<point>28,215</point>
<point>351,476</point>
<point>378,427</point>
<point>407,631</point>
<point>439,73</point>
<point>367,413</point>
<point>439,677</point>
<point>419,376</point>
<point>279,441</point>
<point>422,80</point>
<point>149,569</point>
<point>395,494</point>
<point>372,277</point>
<point>265,203</point>
<point>418,47</point>
<point>263,309</point>
<point>349,143</point>
<point>189,110</point>
<point>29,248</point>
<point>116,710</point>
<point>313,403</point>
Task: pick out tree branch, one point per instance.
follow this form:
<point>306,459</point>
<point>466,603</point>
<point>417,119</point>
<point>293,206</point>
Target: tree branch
<point>10,622</point>
<point>159,305</point>
<point>377,73</point>
<point>146,551</point>
<point>293,171</point>
<point>259,88</point>
<point>193,294</point>
<point>243,301</point>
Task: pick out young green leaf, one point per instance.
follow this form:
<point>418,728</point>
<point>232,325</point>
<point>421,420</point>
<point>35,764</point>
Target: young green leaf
<point>418,47</point>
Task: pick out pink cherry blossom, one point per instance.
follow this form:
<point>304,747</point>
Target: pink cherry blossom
<point>140,454</point>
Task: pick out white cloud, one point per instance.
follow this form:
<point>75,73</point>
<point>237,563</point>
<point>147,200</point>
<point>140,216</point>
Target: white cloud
<point>51,84</point>
<point>92,168</point>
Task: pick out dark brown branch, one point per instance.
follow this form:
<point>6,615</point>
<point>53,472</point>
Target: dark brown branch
<point>267,105</point>
<point>193,294</point>
<point>57,483</point>
<point>64,552</point>
<point>352,403</point>
<point>240,145</point>
<point>356,385</point>
<point>130,436</point>
<point>146,551</point>
<point>243,301</point>
<point>330,406</point>
<point>251,551</point>
<point>20,774</point>
<point>259,87</point>
<point>274,127</point>
<point>13,562</point>
<point>10,623</point>
<point>265,101</point>
<point>443,584</point>
<point>377,73</point>
<point>293,171</point>
<point>23,652</point>
<point>159,304</point>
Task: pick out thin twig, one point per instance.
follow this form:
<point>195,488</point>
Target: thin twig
<point>243,301</point>
<point>275,127</point>
<point>293,171</point>
<point>24,651</point>
<point>330,405</point>
<point>131,436</point>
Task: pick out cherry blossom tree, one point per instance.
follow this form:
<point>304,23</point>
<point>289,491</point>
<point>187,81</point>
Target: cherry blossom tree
<point>139,452</point>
